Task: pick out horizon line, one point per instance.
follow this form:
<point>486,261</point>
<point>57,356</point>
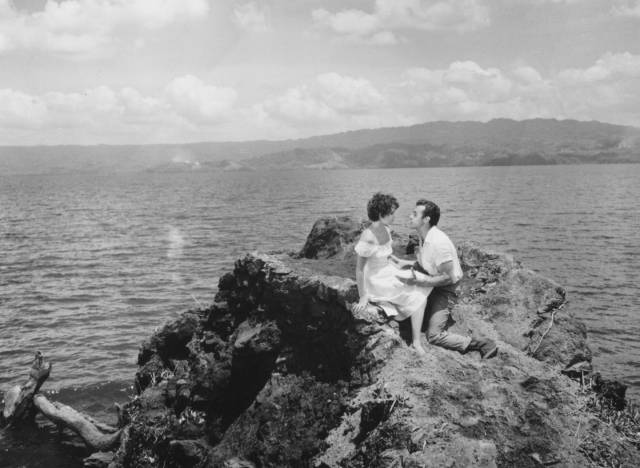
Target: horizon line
<point>59,145</point>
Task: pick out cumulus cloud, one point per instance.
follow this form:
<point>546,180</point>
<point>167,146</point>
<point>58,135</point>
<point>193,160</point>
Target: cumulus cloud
<point>607,68</point>
<point>390,16</point>
<point>252,17</point>
<point>186,103</point>
<point>527,74</point>
<point>347,94</point>
<point>629,8</point>
<point>348,22</point>
<point>137,104</point>
<point>101,99</point>
<point>18,109</point>
<point>76,27</point>
<point>103,106</point>
<point>330,98</point>
<point>464,90</point>
<point>608,90</point>
<point>200,102</point>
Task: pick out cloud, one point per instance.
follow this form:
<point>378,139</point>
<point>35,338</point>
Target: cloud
<point>21,110</point>
<point>199,102</point>
<point>434,15</point>
<point>348,22</point>
<point>80,27</point>
<point>190,108</point>
<point>187,103</point>
<point>464,90</point>
<point>346,94</point>
<point>630,8</point>
<point>330,98</point>
<point>607,68</point>
<point>390,16</point>
<point>103,105</point>
<point>543,2</point>
<point>607,90</point>
<point>138,105</point>
<point>527,74</point>
<point>252,17</point>
<point>101,99</point>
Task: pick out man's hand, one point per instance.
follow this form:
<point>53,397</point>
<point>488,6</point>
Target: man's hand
<point>411,277</point>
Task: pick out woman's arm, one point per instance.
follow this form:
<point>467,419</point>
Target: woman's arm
<point>400,263</point>
<point>443,278</point>
<point>364,299</point>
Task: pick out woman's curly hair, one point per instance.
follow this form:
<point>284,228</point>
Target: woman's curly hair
<point>381,205</point>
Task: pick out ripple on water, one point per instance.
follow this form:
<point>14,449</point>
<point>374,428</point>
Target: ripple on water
<point>94,264</point>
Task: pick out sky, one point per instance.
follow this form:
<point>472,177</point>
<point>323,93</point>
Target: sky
<point>161,71</point>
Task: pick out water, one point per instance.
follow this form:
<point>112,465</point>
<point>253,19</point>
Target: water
<point>90,265</point>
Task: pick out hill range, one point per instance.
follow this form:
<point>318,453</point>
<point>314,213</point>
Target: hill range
<point>434,144</point>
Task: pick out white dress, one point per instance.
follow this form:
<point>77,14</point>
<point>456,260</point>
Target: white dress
<point>398,299</point>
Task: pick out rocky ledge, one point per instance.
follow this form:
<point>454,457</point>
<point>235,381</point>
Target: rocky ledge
<point>279,372</point>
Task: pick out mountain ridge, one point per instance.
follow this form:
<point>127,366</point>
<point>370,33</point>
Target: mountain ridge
<point>441,143</point>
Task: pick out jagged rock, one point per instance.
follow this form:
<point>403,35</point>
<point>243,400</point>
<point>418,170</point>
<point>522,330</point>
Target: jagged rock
<point>150,373</point>
<point>280,372</point>
<point>578,369</point>
<point>330,235</point>
<point>257,339</point>
<point>186,453</point>
<point>98,460</point>
<point>171,341</point>
<point>237,462</point>
<point>611,391</point>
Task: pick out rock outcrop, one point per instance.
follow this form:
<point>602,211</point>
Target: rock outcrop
<point>279,371</point>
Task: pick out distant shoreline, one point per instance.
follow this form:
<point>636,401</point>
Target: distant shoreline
<point>499,142</point>
<point>294,169</point>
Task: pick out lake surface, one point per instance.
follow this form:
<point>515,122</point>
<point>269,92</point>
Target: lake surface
<point>90,265</point>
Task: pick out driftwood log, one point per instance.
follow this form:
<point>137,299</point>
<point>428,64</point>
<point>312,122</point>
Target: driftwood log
<point>18,400</point>
<point>22,401</point>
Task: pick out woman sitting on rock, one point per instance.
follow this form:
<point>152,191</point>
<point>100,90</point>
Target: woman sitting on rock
<point>377,277</point>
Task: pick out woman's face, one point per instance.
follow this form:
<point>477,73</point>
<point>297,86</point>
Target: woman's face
<point>387,220</point>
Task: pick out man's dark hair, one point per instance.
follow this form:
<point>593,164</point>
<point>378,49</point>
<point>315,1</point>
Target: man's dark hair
<point>381,205</point>
<point>431,210</point>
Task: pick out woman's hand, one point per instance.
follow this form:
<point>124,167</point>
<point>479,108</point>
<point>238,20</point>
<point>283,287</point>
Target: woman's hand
<point>412,277</point>
<point>398,262</point>
<point>394,259</point>
<point>405,275</point>
<point>361,305</point>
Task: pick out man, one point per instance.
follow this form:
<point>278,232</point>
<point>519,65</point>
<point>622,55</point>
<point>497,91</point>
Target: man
<point>438,266</point>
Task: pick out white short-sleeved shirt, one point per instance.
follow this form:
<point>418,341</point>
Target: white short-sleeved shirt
<point>436,250</point>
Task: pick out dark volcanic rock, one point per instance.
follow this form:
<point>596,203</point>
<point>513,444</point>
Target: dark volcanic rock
<point>186,453</point>
<point>329,236</point>
<point>280,372</point>
<point>98,460</point>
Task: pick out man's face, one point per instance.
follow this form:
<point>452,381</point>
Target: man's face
<point>415,218</point>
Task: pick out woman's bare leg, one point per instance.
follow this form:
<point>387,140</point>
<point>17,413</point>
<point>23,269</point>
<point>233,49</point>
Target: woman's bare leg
<point>416,326</point>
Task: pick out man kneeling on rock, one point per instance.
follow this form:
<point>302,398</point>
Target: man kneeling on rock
<point>438,266</point>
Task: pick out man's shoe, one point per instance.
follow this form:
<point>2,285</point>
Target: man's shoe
<point>486,347</point>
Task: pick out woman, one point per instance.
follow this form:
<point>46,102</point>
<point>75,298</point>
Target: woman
<point>377,278</point>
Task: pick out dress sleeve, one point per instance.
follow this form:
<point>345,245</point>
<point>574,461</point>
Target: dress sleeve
<point>367,245</point>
